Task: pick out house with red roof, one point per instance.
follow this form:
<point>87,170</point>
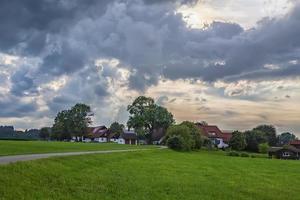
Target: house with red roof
<point>99,134</point>
<point>218,137</point>
<point>295,143</point>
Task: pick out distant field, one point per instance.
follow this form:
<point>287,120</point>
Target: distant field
<point>154,174</point>
<point>31,147</point>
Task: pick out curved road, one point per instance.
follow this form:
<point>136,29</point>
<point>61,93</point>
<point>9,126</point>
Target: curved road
<point>16,158</point>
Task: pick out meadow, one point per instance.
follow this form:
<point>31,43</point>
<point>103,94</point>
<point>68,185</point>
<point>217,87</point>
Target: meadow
<point>154,174</point>
<point>32,147</point>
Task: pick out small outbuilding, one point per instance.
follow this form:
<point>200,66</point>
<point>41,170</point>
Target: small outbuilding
<point>287,152</point>
<point>129,137</point>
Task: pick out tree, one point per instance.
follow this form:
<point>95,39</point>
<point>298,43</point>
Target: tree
<point>176,142</point>
<point>270,133</point>
<point>196,134</point>
<point>44,133</point>
<point>285,138</point>
<point>254,138</point>
<point>147,116</point>
<point>263,147</point>
<point>116,128</point>
<point>181,135</point>
<point>238,141</point>
<point>73,122</point>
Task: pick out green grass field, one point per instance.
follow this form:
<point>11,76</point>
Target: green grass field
<point>153,174</point>
<point>31,147</point>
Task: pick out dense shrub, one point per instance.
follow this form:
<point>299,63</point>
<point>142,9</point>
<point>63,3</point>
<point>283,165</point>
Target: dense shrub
<point>208,143</point>
<point>244,154</point>
<point>233,153</point>
<point>263,148</point>
<point>237,141</point>
<point>183,132</point>
<point>195,133</point>
<point>176,142</point>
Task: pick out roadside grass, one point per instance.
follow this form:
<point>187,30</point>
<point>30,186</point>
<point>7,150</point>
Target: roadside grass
<point>31,147</point>
<point>153,174</point>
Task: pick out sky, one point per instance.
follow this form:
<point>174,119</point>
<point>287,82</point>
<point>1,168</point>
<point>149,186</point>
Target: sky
<point>233,63</point>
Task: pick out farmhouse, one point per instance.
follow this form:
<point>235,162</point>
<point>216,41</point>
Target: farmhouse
<point>219,138</point>
<point>129,137</point>
<point>295,143</point>
<point>286,152</point>
<point>99,134</point>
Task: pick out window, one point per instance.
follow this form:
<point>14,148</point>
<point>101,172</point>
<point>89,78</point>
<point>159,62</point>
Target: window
<point>212,133</point>
<point>286,154</point>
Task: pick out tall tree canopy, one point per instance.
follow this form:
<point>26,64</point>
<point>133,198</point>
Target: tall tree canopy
<point>254,138</point>
<point>270,133</point>
<point>148,116</point>
<point>286,138</point>
<point>238,141</point>
<point>116,128</point>
<point>73,122</point>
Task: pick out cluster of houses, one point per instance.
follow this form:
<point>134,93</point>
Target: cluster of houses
<point>220,138</point>
<point>290,151</point>
<point>102,134</point>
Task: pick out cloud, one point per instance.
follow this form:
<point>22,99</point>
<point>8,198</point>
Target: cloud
<point>109,50</point>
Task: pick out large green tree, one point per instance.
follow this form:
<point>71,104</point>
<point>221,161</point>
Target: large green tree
<point>270,133</point>
<point>285,138</point>
<point>73,122</point>
<point>147,116</point>
<point>44,133</point>
<point>179,137</point>
<point>196,134</point>
<point>238,141</point>
<point>116,128</point>
<point>254,138</point>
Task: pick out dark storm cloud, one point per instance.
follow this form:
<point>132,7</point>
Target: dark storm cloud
<point>13,107</point>
<point>148,38</point>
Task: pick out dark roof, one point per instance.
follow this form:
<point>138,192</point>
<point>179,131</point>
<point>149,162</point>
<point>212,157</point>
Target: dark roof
<point>295,142</point>
<point>211,131</point>
<point>99,131</point>
<point>129,135</point>
<point>290,148</point>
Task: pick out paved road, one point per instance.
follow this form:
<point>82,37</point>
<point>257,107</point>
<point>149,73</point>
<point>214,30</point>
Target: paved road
<point>11,159</point>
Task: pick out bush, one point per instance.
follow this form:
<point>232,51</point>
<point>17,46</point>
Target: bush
<point>233,153</point>
<point>181,131</point>
<point>244,155</point>
<point>238,141</point>
<point>263,148</point>
<point>195,133</point>
<point>176,142</point>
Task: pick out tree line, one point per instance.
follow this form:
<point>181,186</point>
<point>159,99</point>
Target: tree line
<point>146,117</point>
<point>259,139</point>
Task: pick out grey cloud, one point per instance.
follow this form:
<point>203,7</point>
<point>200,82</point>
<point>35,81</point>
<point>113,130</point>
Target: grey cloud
<point>23,84</point>
<point>162,100</point>
<point>13,107</point>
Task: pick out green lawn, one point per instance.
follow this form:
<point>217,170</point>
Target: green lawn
<point>154,174</point>
<point>30,147</point>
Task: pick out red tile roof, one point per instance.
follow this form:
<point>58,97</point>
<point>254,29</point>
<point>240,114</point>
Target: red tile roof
<point>295,142</point>
<point>212,131</point>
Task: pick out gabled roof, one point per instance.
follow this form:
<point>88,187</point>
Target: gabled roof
<point>295,142</point>
<point>211,131</point>
<point>290,148</point>
<point>129,135</point>
<point>99,131</point>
